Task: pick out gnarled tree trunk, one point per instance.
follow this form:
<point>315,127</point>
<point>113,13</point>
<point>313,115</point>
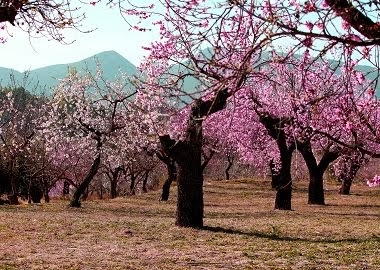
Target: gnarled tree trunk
<point>188,156</point>
<point>230,162</point>
<point>274,173</point>
<point>352,166</point>
<point>190,177</point>
<point>75,201</point>
<point>114,177</point>
<point>172,174</point>
<point>275,127</point>
<point>316,171</point>
<point>145,181</point>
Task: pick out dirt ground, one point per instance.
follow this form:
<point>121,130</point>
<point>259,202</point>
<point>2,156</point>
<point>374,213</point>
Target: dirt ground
<point>242,231</point>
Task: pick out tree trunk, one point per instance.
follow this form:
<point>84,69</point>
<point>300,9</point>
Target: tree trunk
<point>75,202</point>
<point>66,188</point>
<point>46,197</point>
<point>316,193</point>
<point>345,188</point>
<point>13,197</point>
<point>188,156</point>
<point>230,161</point>
<point>284,182</point>
<point>113,191</point>
<point>100,192</point>
<point>190,193</point>
<point>133,182</point>
<point>114,177</point>
<point>45,189</point>
<point>316,170</point>
<point>347,178</point>
<point>275,127</point>
<point>145,181</point>
<point>274,173</point>
<point>172,176</point>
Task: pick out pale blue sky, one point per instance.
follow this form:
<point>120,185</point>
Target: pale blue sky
<point>112,34</point>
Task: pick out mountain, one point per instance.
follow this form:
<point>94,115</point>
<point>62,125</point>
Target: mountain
<point>46,79</point>
<point>8,76</point>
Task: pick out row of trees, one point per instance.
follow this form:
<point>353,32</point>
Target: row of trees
<point>92,127</point>
<point>257,98</point>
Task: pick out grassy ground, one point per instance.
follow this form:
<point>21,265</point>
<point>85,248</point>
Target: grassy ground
<point>242,232</point>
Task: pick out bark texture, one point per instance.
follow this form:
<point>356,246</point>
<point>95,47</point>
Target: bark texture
<point>188,156</point>
<point>172,174</point>
<point>75,202</point>
<point>316,170</point>
<point>275,127</point>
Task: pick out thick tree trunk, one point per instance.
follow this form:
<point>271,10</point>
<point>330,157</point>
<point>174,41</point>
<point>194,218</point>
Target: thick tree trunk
<point>113,191</point>
<point>274,174</point>
<point>188,156</point>
<point>13,199</point>
<point>66,188</point>
<point>275,127</point>
<point>316,171</point>
<point>75,202</point>
<point>316,193</point>
<point>45,190</point>
<point>190,192</point>
<point>284,182</point>
<point>36,193</point>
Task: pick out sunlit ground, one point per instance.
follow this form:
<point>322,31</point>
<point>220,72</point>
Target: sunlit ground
<point>242,232</point>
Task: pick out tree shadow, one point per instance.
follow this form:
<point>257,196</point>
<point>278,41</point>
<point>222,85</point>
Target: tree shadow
<point>348,214</point>
<point>275,235</point>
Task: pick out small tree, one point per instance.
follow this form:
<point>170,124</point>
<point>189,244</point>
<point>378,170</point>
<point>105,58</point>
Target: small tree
<point>92,116</point>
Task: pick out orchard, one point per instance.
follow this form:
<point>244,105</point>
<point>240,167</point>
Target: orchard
<point>278,84</point>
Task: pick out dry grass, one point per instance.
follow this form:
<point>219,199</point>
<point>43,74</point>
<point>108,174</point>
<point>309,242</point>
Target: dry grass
<point>242,232</point>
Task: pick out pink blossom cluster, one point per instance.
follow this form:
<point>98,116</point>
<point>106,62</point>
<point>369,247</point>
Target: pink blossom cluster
<point>374,182</point>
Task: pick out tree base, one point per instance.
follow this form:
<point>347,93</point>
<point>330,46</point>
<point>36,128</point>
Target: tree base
<point>75,204</point>
<point>13,199</point>
<point>283,199</point>
<point>316,202</point>
<point>189,225</point>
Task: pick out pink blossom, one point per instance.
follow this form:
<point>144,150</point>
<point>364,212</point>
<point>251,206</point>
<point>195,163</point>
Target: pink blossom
<point>309,25</point>
<point>374,182</point>
<point>345,25</point>
<point>348,125</point>
<point>308,42</point>
<point>360,77</point>
<point>310,6</point>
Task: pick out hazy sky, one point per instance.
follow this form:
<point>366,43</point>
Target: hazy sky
<point>112,33</point>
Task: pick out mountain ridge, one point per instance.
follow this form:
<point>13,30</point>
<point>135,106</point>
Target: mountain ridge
<point>45,79</point>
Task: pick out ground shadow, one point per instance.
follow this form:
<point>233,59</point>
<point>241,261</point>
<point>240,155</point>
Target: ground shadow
<point>278,237</point>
